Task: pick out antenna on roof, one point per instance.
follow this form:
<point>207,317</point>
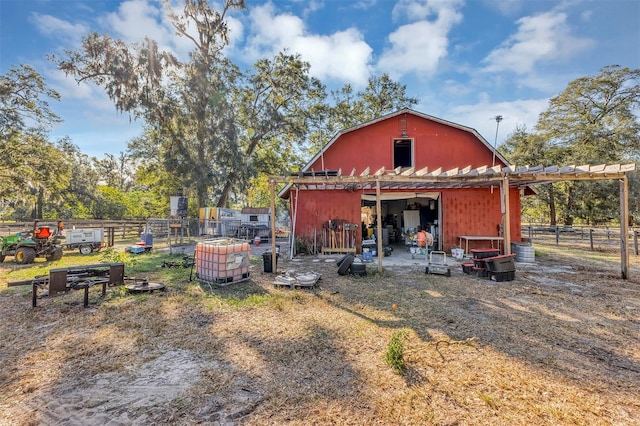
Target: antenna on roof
<point>498,119</point>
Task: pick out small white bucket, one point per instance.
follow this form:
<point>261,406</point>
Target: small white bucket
<point>457,253</point>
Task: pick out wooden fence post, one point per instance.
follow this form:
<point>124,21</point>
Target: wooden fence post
<point>557,235</point>
<point>591,238</point>
<point>635,241</point>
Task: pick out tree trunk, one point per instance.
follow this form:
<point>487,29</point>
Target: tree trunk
<point>224,197</point>
<point>39,203</point>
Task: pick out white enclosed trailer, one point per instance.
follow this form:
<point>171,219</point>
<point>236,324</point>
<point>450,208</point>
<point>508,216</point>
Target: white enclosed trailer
<point>85,240</point>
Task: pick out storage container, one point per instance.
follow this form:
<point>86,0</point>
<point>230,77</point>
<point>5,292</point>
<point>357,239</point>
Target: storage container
<point>267,260</point>
<point>480,272</point>
<point>359,269</point>
<point>484,253</point>
<point>524,252</point>
<point>502,276</point>
<point>502,263</point>
<point>222,261</point>
<point>467,267</point>
<point>479,263</point>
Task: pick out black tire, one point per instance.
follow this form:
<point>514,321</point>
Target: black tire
<point>346,263</point>
<point>85,249</point>
<point>342,259</point>
<point>25,255</point>
<point>426,270</point>
<point>56,254</point>
<point>2,256</point>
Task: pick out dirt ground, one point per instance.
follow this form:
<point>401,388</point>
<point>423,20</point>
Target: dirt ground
<point>560,344</point>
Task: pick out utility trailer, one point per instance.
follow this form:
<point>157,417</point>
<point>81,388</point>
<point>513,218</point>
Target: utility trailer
<point>85,240</point>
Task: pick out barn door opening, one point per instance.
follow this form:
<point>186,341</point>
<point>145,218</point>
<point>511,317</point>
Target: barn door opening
<point>402,212</point>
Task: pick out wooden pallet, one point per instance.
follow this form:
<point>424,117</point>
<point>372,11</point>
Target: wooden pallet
<point>338,250</point>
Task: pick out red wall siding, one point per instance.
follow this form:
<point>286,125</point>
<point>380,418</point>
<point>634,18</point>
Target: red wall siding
<point>476,212</point>
<point>318,207</point>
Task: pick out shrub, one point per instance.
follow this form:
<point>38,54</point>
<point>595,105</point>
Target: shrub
<point>395,351</point>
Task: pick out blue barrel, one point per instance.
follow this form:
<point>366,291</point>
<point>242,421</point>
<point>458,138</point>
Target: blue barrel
<point>147,238</point>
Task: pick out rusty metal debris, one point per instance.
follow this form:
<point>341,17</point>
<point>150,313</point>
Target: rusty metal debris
<point>143,285</point>
<point>63,280</point>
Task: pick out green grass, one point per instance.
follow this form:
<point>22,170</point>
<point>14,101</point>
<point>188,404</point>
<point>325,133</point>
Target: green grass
<point>547,251</point>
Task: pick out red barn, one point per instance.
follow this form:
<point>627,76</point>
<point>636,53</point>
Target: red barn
<point>409,143</point>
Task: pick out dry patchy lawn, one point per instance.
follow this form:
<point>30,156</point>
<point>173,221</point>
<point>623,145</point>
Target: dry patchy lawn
<point>558,345</point>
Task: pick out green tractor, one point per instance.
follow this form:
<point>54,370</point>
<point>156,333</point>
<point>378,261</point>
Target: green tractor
<point>26,246</point>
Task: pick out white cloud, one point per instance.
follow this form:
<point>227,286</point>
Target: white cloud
<point>505,7</point>
<point>312,6</point>
<point>445,11</point>
<point>456,88</point>
<point>136,19</point>
<point>89,94</point>
<point>342,56</point>
<point>480,116</point>
<point>543,37</point>
<point>65,31</point>
<point>421,45</point>
<point>364,4</point>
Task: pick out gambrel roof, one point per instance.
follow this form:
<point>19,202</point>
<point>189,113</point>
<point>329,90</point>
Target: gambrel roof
<point>474,132</point>
<point>401,112</point>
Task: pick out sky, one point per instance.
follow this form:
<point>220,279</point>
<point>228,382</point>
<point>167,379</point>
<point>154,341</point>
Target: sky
<point>466,61</point>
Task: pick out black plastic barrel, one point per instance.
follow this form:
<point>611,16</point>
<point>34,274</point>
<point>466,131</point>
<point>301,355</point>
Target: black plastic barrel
<point>267,259</point>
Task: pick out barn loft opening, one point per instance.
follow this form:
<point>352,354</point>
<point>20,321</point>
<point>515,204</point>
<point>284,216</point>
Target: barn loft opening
<point>402,153</point>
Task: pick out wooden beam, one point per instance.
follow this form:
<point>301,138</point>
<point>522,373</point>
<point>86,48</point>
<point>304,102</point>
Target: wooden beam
<point>624,228</point>
<point>379,172</point>
<point>422,172</point>
<point>379,226</point>
<point>274,255</point>
<point>507,216</point>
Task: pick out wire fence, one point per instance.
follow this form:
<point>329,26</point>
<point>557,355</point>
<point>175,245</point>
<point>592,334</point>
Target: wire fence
<point>592,237</point>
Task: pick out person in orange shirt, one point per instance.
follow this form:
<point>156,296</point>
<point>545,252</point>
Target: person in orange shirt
<point>423,238</point>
